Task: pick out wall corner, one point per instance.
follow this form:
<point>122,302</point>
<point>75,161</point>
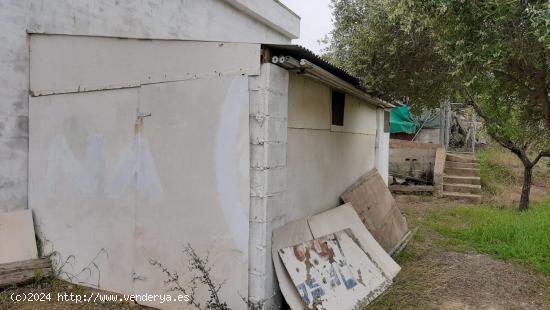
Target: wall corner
<point>439,167</point>
<point>268,120</point>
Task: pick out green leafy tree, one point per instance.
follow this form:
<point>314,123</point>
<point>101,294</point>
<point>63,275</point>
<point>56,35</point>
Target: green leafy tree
<point>393,56</point>
<point>493,54</point>
<point>513,127</point>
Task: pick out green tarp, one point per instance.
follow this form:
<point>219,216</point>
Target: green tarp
<point>401,121</point>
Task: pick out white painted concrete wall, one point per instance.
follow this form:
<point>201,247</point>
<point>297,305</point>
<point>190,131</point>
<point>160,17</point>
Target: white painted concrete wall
<point>382,146</point>
<point>205,20</point>
<point>116,191</point>
<point>300,164</point>
<point>324,160</point>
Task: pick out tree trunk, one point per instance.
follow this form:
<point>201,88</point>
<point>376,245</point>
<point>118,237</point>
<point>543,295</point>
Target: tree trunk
<point>526,189</point>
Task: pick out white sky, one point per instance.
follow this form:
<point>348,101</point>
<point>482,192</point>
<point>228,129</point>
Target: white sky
<point>316,21</point>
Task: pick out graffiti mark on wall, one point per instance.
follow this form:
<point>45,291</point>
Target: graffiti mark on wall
<point>81,174</point>
<point>135,167</point>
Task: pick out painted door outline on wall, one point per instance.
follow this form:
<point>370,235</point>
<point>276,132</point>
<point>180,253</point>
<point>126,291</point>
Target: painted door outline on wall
<point>121,171</point>
<point>199,135</point>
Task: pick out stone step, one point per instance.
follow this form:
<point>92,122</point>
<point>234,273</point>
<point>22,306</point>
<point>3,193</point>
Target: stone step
<point>412,189</point>
<point>473,198</point>
<point>458,164</point>
<point>461,158</point>
<point>453,179</point>
<point>465,172</point>
<point>462,188</point>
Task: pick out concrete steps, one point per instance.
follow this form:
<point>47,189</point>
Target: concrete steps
<point>461,179</point>
<point>462,188</point>
<point>457,164</point>
<point>472,198</point>
<point>450,179</point>
<point>462,172</point>
<point>461,158</point>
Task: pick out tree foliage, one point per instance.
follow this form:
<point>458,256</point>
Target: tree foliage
<point>491,54</point>
<point>429,50</point>
<point>394,56</point>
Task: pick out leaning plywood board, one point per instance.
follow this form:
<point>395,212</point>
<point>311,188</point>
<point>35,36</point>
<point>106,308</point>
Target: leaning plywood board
<point>344,217</point>
<point>17,241</point>
<point>376,207</point>
<point>333,272</point>
<point>290,234</point>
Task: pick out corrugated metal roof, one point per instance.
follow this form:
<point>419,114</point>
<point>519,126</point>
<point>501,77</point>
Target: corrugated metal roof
<point>300,52</point>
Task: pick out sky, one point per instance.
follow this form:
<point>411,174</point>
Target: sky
<point>316,21</point>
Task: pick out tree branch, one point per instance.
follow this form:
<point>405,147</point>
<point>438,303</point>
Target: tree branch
<point>541,155</point>
<point>507,143</point>
<point>513,78</point>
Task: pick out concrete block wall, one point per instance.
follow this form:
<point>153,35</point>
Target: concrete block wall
<point>268,177</point>
<point>439,170</point>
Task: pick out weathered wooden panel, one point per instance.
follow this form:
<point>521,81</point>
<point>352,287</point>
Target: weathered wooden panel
<point>24,271</point>
<point>333,272</point>
<point>344,217</point>
<point>376,207</point>
<point>61,64</point>
<point>290,234</point>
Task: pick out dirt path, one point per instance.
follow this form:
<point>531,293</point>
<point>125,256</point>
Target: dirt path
<point>434,277</point>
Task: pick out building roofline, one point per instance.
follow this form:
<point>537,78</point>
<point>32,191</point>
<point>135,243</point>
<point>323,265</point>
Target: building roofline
<point>305,61</point>
<point>272,13</point>
<point>288,9</point>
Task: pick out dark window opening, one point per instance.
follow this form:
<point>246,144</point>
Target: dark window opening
<point>386,121</point>
<point>338,105</point>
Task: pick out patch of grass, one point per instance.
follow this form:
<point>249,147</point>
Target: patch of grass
<point>406,290</point>
<point>498,169</point>
<point>541,173</point>
<point>505,233</point>
<point>501,171</point>
<point>51,286</point>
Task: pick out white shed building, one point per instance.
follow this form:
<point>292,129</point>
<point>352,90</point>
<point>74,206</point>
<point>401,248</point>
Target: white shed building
<point>131,129</point>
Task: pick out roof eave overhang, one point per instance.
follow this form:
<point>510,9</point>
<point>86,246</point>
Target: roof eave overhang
<point>271,13</point>
<point>311,70</point>
<point>300,59</point>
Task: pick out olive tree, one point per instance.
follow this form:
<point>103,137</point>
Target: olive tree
<point>493,54</point>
